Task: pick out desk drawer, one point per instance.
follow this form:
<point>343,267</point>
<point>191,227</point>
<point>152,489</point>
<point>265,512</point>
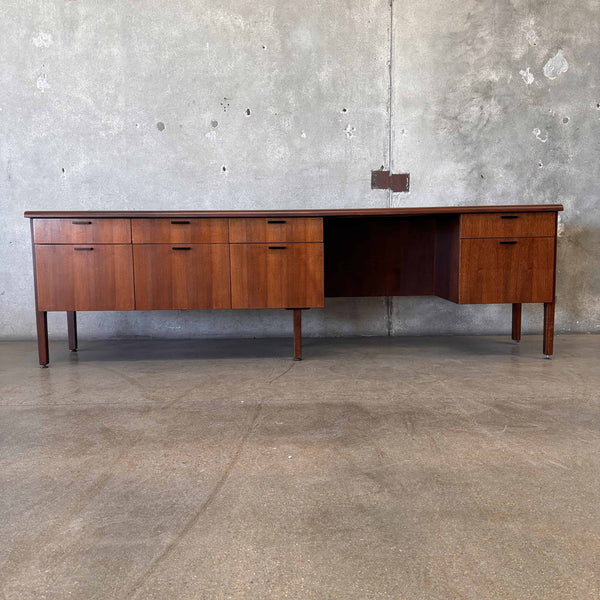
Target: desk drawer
<point>496,271</point>
<point>82,231</point>
<point>98,277</point>
<point>257,230</point>
<point>183,277</point>
<point>277,275</point>
<point>508,225</point>
<point>179,231</point>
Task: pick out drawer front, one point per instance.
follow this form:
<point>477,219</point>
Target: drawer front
<point>82,231</point>
<point>506,270</point>
<point>277,276</point>
<point>179,231</point>
<point>508,225</point>
<point>84,277</point>
<point>168,277</point>
<point>260,230</point>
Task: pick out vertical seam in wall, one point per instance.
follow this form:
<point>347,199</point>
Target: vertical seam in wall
<point>391,100</point>
<point>389,300</point>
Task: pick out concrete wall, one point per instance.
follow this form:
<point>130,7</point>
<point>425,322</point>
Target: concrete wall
<point>191,104</point>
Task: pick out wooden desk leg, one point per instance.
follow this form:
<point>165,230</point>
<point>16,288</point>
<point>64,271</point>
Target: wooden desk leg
<point>297,334</point>
<point>42,336</point>
<point>72,327</point>
<point>549,329</point>
<point>516,322</point>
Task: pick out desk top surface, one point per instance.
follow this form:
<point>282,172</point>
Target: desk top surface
<point>337,212</point>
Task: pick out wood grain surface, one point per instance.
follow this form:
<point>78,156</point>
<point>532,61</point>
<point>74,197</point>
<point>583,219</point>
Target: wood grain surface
<point>73,277</point>
<point>506,270</point>
<point>508,225</point>
<point>315,212</point>
<point>82,231</point>
<point>279,275</point>
<point>257,230</point>
<point>180,231</point>
<point>192,276</point>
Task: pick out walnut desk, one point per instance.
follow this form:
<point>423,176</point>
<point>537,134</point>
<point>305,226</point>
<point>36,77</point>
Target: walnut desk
<point>292,259</point>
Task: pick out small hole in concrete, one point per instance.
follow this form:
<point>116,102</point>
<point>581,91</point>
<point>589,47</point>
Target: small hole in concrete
<point>224,168</point>
<point>214,123</point>
<point>566,120</point>
<point>344,110</point>
<point>160,126</point>
<point>247,112</point>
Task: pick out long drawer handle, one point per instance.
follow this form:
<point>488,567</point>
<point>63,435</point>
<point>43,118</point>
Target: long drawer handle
<point>276,222</point>
<point>83,249</point>
<point>277,247</point>
<point>81,222</point>
<point>181,248</point>
<point>508,243</point>
<point>180,222</point>
<point>509,216</point>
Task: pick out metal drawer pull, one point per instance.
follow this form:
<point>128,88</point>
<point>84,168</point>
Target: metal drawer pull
<point>508,243</point>
<point>509,216</point>
<point>81,222</point>
<point>276,222</point>
<point>181,248</point>
<point>82,249</point>
<point>180,222</point>
<point>277,247</point>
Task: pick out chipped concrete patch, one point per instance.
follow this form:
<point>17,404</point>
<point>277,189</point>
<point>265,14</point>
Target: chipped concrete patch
<point>42,40</point>
<point>556,66</point>
<point>538,134</point>
<point>349,131</point>
<point>527,76</point>
<point>42,83</point>
<point>530,35</point>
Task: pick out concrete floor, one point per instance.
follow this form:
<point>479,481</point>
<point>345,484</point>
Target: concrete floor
<point>402,468</point>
